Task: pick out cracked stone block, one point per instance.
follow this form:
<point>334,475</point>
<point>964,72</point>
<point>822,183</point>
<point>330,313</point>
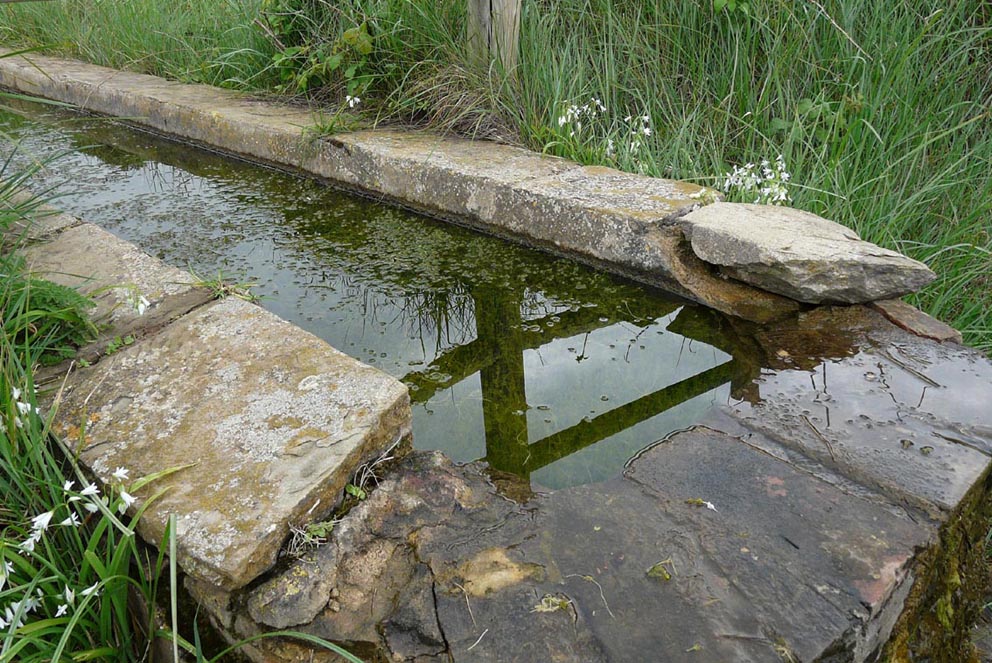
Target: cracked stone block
<point>115,273</point>
<point>262,423</point>
<point>799,255</point>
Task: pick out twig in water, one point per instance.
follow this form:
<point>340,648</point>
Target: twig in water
<point>479,640</point>
<point>601,594</point>
<point>823,438</point>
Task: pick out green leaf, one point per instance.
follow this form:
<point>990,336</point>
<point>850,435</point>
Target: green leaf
<point>778,124</point>
<point>718,5</point>
<point>355,491</point>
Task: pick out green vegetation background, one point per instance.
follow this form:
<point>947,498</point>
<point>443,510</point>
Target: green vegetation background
<point>880,109</point>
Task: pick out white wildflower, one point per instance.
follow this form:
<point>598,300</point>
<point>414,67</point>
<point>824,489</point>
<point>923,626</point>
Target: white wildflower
<point>11,616</point>
<point>120,474</point>
<point>92,507</point>
<point>71,521</point>
<point>352,101</point>
<point>89,489</point>
<point>765,184</point>
<point>40,522</point>
<point>70,595</point>
<point>29,543</point>
<point>5,570</point>
<point>93,589</point>
<point>67,486</point>
<point>62,609</point>
<point>126,501</point>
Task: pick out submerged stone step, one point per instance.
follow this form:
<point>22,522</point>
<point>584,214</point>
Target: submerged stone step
<point>265,423</point>
<point>908,416</point>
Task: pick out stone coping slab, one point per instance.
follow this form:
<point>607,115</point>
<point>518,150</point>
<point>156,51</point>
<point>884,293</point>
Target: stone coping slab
<point>598,215</point>
<point>266,421</point>
<point>800,255</point>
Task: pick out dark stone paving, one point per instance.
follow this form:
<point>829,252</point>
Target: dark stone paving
<point>772,531</point>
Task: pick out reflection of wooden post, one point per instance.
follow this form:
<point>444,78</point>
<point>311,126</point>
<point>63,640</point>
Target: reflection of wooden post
<point>504,398</point>
<point>494,30</point>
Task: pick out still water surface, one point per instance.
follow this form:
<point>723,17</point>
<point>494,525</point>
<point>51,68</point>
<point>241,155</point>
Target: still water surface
<point>542,367</point>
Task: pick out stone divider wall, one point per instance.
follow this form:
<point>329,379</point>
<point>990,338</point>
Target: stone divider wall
<point>746,260</point>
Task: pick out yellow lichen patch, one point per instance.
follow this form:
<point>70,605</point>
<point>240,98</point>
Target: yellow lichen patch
<point>283,421</point>
<point>492,570</point>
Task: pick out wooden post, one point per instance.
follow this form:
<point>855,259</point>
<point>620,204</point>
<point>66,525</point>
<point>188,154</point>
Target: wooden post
<point>494,30</point>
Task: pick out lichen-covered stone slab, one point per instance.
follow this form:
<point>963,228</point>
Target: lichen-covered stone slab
<point>116,274</point>
<point>449,176</point>
<point>800,255</point>
<point>266,421</point>
<point>595,210</point>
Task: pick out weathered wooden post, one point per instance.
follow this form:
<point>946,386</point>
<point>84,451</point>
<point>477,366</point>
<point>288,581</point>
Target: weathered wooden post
<point>494,30</point>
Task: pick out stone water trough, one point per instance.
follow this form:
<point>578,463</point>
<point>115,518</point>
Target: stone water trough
<point>834,511</point>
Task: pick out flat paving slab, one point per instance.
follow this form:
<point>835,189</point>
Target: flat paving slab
<point>266,421</point>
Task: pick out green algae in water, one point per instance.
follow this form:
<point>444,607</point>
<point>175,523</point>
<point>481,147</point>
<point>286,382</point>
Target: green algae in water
<point>540,366</point>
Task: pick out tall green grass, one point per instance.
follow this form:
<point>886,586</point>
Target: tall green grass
<point>203,41</point>
<point>880,109</point>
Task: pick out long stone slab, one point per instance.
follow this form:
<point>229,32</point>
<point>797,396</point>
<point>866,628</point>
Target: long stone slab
<point>266,421</point>
<point>597,215</point>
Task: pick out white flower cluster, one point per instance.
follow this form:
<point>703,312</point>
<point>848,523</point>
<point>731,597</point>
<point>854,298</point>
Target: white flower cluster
<point>352,101</point>
<point>88,500</point>
<point>767,185</point>
<point>574,115</point>
<point>639,127</point>
<point>24,408</point>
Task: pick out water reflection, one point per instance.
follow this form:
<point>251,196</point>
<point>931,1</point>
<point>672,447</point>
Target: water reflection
<point>541,367</point>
